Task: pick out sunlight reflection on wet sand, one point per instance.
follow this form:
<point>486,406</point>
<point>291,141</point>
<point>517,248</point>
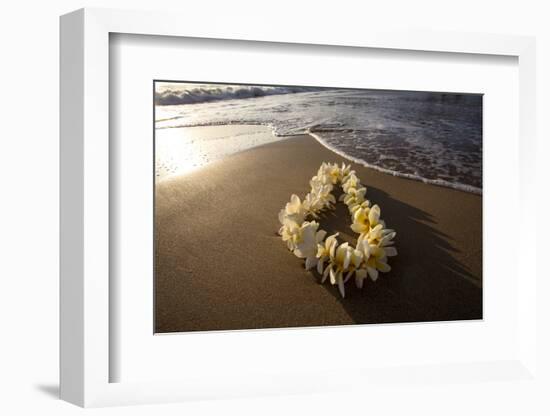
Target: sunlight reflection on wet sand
<point>185,149</point>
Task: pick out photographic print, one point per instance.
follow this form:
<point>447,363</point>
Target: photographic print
<point>298,206</point>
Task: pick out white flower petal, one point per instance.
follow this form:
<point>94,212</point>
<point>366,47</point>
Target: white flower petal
<point>383,267</point>
<point>311,262</point>
<point>320,236</point>
<point>332,249</point>
<point>374,214</point>
<point>341,286</point>
<point>332,276</point>
<point>320,265</point>
<point>373,273</point>
<point>347,258</point>
<point>360,276</point>
<point>348,275</point>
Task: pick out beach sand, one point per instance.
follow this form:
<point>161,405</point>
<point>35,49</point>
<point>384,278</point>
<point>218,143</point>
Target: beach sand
<point>220,264</point>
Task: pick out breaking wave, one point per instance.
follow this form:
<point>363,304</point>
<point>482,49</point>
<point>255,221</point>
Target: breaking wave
<point>208,93</point>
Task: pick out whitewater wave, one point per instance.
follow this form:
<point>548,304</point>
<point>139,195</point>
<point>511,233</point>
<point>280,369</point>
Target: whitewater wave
<point>438,182</point>
<point>207,93</point>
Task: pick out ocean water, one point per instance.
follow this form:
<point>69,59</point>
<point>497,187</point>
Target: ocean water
<point>433,137</point>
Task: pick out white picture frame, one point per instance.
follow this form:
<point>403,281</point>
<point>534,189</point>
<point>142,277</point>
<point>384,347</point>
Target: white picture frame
<point>85,354</point>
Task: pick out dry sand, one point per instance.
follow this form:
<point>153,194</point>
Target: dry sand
<point>220,264</point>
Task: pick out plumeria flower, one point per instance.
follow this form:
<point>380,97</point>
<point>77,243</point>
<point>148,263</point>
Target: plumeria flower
<point>320,180</point>
<point>375,257</point>
<point>313,204</point>
<point>319,199</point>
<point>381,236</point>
<point>306,247</point>
<point>354,196</point>
<point>387,239</point>
<point>323,251</point>
<point>324,170</point>
<point>337,174</point>
<point>345,170</point>
<point>291,233</point>
<point>355,262</point>
<point>374,234</point>
<point>294,210</point>
<point>334,173</point>
<point>365,219</point>
<point>324,193</point>
<point>350,181</point>
<point>327,191</point>
<point>340,258</point>
<point>354,207</point>
<point>291,217</point>
<point>282,219</point>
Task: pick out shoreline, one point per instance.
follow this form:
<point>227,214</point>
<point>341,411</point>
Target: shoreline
<point>437,182</point>
<point>220,264</point>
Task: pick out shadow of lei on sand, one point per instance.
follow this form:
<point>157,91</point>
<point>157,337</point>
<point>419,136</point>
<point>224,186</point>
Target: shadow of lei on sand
<point>426,282</point>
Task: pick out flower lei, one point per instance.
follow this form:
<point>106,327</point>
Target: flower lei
<point>307,241</point>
